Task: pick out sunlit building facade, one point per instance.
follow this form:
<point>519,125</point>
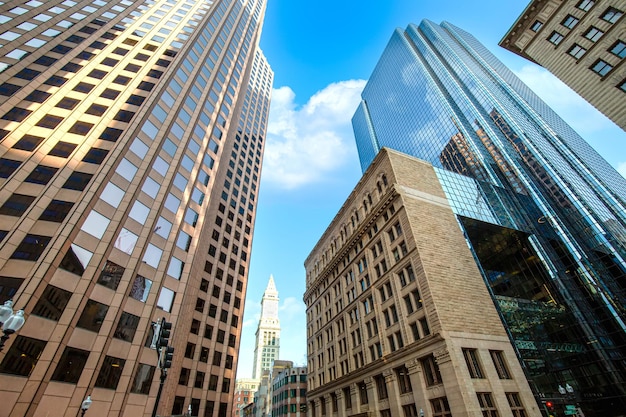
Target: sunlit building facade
<point>131,142</point>
<point>399,322</point>
<point>289,392</point>
<point>543,213</point>
<point>582,42</point>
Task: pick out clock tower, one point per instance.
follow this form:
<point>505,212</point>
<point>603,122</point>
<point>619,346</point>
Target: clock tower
<point>268,333</point>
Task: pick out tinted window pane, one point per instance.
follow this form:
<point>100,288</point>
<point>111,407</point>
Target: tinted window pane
<point>77,181</point>
<point>31,248</point>
<point>56,211</point>
<point>16,205</point>
<point>76,259</point>
<point>143,379</point>
<point>71,365</point>
<point>111,275</point>
<point>62,149</point>
<point>8,167</point>
<point>93,316</point>
<point>41,174</point>
<point>110,373</point>
<point>52,303</point>
<point>126,327</point>
<point>22,356</point>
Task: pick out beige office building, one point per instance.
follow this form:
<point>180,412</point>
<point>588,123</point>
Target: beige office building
<point>131,141</point>
<point>583,43</point>
<point>399,319</point>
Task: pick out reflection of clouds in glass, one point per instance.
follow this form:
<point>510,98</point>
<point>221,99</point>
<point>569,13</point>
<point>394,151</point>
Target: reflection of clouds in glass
<point>152,256</point>
<point>166,299</point>
<point>83,255</point>
<point>126,241</point>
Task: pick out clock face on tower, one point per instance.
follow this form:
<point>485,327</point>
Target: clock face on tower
<point>271,309</point>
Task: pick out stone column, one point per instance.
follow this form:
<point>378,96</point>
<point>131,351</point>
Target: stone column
<point>418,384</point>
<point>392,392</point>
<point>372,396</point>
<point>341,405</point>
<point>356,401</point>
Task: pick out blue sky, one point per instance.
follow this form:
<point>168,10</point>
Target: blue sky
<point>322,52</point>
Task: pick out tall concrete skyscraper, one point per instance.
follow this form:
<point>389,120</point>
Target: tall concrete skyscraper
<point>543,213</point>
<point>267,345</point>
<point>131,140</point>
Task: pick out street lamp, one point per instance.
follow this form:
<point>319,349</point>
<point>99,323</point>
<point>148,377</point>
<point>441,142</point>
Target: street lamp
<point>421,412</point>
<point>85,405</point>
<point>189,411</point>
<point>10,321</point>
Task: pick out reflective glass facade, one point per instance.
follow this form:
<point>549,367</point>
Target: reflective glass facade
<point>544,214</point>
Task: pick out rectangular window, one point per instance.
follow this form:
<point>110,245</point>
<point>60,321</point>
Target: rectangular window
<point>486,404</point>
<point>500,363</point>
<point>516,404</point>
<point>585,5</point>
<point>440,407</point>
<point>601,67</point>
<point>555,38</point>
<point>93,316</point>
<point>570,21</point>
<point>381,387</point>
<point>143,379</point>
<point>31,247</point>
<point>16,205</point>
<point>56,211</point>
<point>577,51</point>
<point>22,356</point>
<point>612,15</point>
<point>536,26</point>
<point>126,327</point>
<point>431,371</point>
<point>622,86</point>
<point>110,373</point>
<point>619,49</point>
<point>472,362</point>
<point>52,303</point>
<point>347,395</point>
<point>71,365</point>
<point>404,381</point>
<point>593,34</point>
<point>41,175</point>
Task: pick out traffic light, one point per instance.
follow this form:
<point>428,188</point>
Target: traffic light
<point>167,356</point>
<point>550,405</point>
<point>164,333</point>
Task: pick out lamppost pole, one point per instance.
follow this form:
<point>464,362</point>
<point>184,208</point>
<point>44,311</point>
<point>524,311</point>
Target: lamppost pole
<point>9,321</point>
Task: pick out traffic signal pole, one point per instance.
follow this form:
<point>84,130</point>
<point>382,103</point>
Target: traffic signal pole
<point>165,354</point>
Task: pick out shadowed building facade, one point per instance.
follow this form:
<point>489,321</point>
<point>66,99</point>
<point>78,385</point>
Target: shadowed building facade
<point>543,214</point>
<point>131,141</point>
<point>583,43</point>
<point>399,322</point>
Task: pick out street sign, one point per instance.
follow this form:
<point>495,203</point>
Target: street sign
<point>569,412</point>
<point>570,407</point>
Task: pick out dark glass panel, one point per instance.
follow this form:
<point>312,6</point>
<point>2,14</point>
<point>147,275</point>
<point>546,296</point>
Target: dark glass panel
<point>22,357</point>
<point>70,365</point>
<point>52,303</point>
<point>93,316</point>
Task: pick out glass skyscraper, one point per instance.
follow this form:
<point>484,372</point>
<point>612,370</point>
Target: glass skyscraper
<point>544,214</point>
<point>131,141</point>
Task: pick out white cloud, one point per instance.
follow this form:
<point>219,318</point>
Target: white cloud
<point>292,307</point>
<point>306,145</point>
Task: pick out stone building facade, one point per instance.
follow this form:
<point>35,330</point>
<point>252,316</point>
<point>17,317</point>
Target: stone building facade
<point>399,321</point>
